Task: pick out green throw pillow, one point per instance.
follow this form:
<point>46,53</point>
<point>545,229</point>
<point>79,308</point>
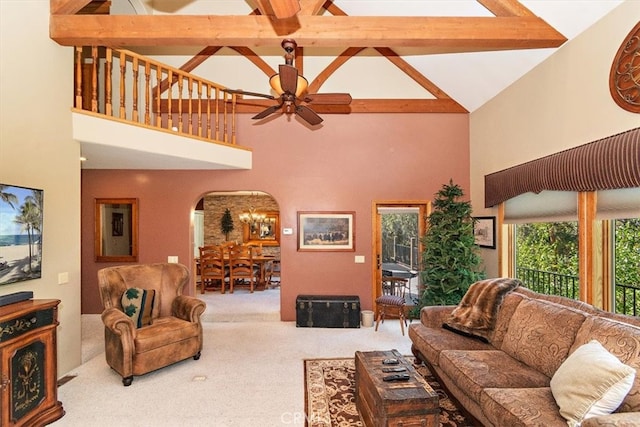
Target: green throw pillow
<point>137,303</point>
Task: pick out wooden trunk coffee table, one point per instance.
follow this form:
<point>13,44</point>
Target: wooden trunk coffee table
<point>393,403</point>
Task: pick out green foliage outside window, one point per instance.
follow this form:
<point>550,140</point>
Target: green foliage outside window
<point>627,265</point>
<point>549,246</point>
<point>553,248</point>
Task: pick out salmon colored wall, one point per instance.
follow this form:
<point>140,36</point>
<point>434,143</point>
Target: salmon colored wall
<point>351,161</point>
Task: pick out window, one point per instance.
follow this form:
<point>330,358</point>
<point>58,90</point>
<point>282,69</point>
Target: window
<point>626,256</point>
<point>547,257</point>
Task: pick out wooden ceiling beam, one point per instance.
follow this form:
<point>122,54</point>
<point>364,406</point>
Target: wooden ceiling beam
<point>430,34</point>
<point>67,7</point>
<point>253,105</point>
<point>506,7</point>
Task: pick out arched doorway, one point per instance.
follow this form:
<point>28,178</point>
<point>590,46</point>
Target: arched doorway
<point>250,217</point>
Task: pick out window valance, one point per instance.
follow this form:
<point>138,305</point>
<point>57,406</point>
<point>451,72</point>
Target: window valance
<point>609,163</point>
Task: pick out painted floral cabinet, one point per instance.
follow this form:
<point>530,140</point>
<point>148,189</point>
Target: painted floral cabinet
<point>28,363</point>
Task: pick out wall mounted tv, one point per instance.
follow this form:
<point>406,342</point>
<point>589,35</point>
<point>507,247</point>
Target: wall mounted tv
<point>20,233</point>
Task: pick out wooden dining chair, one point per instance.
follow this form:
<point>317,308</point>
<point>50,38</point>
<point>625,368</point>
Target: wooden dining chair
<point>242,270</point>
<point>392,300</point>
<point>213,271</point>
<point>273,273</point>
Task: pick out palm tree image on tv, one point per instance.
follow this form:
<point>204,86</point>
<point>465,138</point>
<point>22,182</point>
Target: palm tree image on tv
<point>20,233</point>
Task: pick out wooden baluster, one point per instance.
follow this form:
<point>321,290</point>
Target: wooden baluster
<point>78,101</point>
<point>158,80</point>
<point>208,97</point>
<point>200,108</point>
<point>216,120</point>
<point>169,116</point>
<point>135,116</point>
<point>94,79</point>
<point>123,69</point>
<point>147,91</point>
<point>233,118</point>
<point>180,83</point>
<point>109,82</point>
<point>190,109</point>
<point>225,129</point>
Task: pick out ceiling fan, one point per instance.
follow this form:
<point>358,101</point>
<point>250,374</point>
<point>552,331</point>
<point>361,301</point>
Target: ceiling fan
<point>291,89</point>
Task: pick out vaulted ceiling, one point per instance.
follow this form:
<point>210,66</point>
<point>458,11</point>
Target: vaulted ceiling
<point>391,55</point>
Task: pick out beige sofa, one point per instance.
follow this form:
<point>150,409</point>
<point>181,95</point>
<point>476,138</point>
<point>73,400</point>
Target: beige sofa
<point>507,380</point>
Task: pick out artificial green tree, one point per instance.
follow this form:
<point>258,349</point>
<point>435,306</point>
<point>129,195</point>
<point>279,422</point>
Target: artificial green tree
<point>226,224</point>
<point>450,260</point>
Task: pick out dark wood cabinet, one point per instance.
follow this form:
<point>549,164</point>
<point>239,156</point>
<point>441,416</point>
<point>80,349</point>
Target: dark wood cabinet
<point>28,364</point>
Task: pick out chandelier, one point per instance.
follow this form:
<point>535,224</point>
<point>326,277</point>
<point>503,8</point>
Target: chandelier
<point>260,224</point>
<point>253,219</point>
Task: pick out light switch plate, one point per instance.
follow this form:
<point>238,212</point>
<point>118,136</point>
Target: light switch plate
<point>172,259</point>
<point>63,278</point>
<point>359,259</point>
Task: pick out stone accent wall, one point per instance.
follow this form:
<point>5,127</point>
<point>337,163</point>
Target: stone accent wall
<point>214,207</point>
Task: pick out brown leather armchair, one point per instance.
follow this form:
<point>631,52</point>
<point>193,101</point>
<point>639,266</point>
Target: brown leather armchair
<point>175,331</point>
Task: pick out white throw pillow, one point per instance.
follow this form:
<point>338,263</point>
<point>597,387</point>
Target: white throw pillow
<point>590,382</point>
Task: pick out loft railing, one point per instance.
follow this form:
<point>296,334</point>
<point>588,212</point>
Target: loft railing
<point>627,297</point>
<point>123,85</point>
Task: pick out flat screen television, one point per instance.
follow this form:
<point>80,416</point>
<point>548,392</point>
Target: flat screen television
<point>21,214</point>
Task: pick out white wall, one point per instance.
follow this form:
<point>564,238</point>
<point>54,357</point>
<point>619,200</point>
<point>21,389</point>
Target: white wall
<point>562,103</point>
<point>36,150</point>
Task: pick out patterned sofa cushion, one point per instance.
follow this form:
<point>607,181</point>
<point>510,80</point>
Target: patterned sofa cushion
<point>521,407</point>
<point>508,307</point>
<point>623,341</point>
<point>473,371</point>
<point>432,341</point>
<point>541,333</point>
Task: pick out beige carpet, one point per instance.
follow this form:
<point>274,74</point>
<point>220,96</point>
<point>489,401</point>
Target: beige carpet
<point>250,373</point>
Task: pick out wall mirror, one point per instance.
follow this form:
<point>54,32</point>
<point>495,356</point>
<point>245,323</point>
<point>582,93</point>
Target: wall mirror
<point>265,231</point>
<point>116,238</point>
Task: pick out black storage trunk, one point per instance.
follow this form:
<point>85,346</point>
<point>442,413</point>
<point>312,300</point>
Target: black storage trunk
<point>328,311</point>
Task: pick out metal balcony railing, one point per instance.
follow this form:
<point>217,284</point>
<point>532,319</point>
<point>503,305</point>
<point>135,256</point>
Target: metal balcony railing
<point>627,297</point>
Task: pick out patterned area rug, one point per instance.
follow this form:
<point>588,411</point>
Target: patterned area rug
<point>330,399</point>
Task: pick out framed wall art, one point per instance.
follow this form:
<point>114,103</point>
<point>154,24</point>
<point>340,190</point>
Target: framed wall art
<point>326,231</point>
<point>21,215</point>
<point>484,230</point>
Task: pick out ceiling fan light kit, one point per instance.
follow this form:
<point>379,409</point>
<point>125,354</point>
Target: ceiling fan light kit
<point>276,85</point>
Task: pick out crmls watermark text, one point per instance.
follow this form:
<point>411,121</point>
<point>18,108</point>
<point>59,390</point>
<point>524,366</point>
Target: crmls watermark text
<point>298,418</point>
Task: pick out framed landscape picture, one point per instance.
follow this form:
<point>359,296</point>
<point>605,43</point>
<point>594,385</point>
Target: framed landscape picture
<point>484,230</point>
<point>326,231</point>
<point>20,233</point>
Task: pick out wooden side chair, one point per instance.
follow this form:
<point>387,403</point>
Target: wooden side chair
<point>213,271</point>
<point>242,270</point>
<point>392,301</point>
<point>273,273</point>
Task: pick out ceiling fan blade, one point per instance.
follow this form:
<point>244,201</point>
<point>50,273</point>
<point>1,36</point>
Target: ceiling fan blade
<point>267,111</point>
<point>328,98</point>
<point>308,115</point>
<point>288,78</point>
<point>242,92</point>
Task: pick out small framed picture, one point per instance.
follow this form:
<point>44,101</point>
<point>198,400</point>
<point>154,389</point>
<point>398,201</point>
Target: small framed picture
<point>484,230</point>
<point>326,231</point>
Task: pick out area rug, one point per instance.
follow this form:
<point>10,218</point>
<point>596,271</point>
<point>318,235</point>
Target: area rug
<point>330,395</point>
